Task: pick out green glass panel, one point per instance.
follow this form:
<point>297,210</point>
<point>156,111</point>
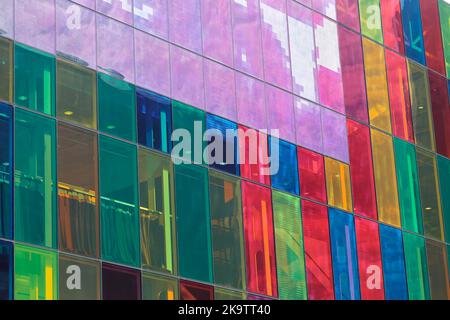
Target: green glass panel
<point>429,192</point>
<point>437,268</point>
<point>416,267</point>
<point>6,70</point>
<point>158,287</point>
<point>226,294</point>
<point>35,202</point>
<point>34,79</point>
<point>444,11</point>
<point>119,202</point>
<point>370,16</point>
<point>227,230</point>
<point>76,94</point>
<point>157,212</point>
<point>444,184</point>
<point>421,106</point>
<point>35,274</point>
<point>79,278</point>
<point>193,223</point>
<point>408,186</point>
<point>192,121</point>
<point>289,247</point>
<point>116,107</point>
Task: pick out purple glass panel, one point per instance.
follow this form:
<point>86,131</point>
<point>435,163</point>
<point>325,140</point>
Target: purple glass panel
<point>75,32</point>
<point>280,112</point>
<point>152,63</point>
<point>115,48</point>
<point>187,77</point>
<point>308,125</point>
<point>6,18</point>
<point>305,2</point>
<point>246,35</point>
<point>151,16</point>
<point>87,3</point>
<point>303,51</point>
<point>328,64</point>
<point>185,26</point>
<point>326,7</point>
<point>275,42</point>
<point>217,32</point>
<point>220,90</point>
<point>334,133</point>
<point>35,23</point>
<point>251,105</point>
<point>121,10</point>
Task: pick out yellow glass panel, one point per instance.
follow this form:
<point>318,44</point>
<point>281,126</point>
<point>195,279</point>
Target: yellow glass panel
<point>6,70</point>
<point>385,178</point>
<point>377,90</point>
<point>338,184</point>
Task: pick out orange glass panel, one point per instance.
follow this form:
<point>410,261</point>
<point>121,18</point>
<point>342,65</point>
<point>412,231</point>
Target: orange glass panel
<point>338,184</point>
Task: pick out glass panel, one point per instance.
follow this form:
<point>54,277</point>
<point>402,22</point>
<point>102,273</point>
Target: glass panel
<point>280,112</point>
<point>444,184</point>
<point>347,13</point>
<point>7,18</point>
<point>116,107</point>
<point>227,230</point>
<point>319,270</point>
<point>338,184</point>
<point>157,287</point>
<point>289,246</point>
<point>441,112</point>
<point>370,14</point>
<point>78,191</point>
<point>195,291</point>
<point>6,70</point>
<point>416,267</point>
<point>412,29</point>
<point>185,27</point>
<point>157,217</point>
<point>259,240</point>
<point>193,223</point>
<point>79,279</point>
<point>119,202</point>
<point>437,266</point>
<point>392,25</point>
<point>120,10</point>
<point>34,79</point>
<point>308,120</point>
<point>286,179</point>
<point>225,294</point>
<point>251,102</point>
<point>151,16</point>
<point>35,204</point>
<point>311,167</point>
<point>6,270</point>
<point>385,178</point>
<point>444,12</point>
<point>120,283</point>
<point>35,274</point>
<point>334,135</point>
<point>76,94</point>
<point>6,171</point>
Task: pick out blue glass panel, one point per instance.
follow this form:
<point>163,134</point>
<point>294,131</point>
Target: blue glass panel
<point>6,176</point>
<point>393,263</point>
<point>345,259</point>
<point>286,179</point>
<point>154,114</point>
<point>229,161</point>
<point>412,29</point>
<point>6,270</point>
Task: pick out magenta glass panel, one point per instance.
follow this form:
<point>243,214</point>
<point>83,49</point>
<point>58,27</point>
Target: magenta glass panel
<point>308,124</point>
<point>217,32</point>
<point>275,43</point>
<point>303,51</point>
<point>185,26</point>
<point>328,64</point>
<point>115,48</point>
<point>334,133</point>
<point>305,2</point>
<point>220,90</point>
<point>353,75</point>
<point>347,12</point>
<point>87,3</point>
<point>75,32</point>
<point>151,16</point>
<point>280,112</point>
<point>121,10</point>
<point>251,103</point>
<point>326,7</point>
<point>6,18</point>
<point>35,23</point>
<point>187,77</point>
<point>246,35</point>
<point>152,63</point>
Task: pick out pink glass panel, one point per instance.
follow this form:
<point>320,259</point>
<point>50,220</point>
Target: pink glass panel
<point>6,18</point>
<point>87,3</point>
<point>326,7</point>
<point>334,133</point>
<point>121,10</point>
<point>347,13</point>
<point>151,16</point>
<point>280,111</point>
<point>308,125</point>
<point>251,104</point>
<point>185,27</point>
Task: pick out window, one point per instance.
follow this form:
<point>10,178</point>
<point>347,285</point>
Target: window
<point>195,291</point>
<point>438,272</point>
<point>286,178</point>
<point>392,25</point>
<point>416,267</point>
<point>6,274</point>
<point>370,15</point>
<point>441,112</point>
<point>157,287</point>
<point>280,113</point>
<point>444,12</point>
<point>251,102</point>
<point>6,171</point>
<point>185,26</point>
<point>7,18</point>
<point>444,184</point>
<point>309,125</point>
<point>338,184</point>
<point>6,70</point>
<point>120,283</point>
<point>155,23</point>
<point>116,10</point>
<point>311,167</point>
<point>412,30</point>
<point>347,13</point>
<point>334,135</point>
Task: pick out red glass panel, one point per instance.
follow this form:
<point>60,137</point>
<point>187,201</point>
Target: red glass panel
<point>311,169</point>
<point>195,291</point>
<point>352,64</point>
<point>316,233</point>
<point>432,38</point>
<point>259,240</point>
<point>347,13</point>
<point>369,259</point>
<point>253,147</point>
<point>392,25</point>
<point>361,169</point>
<point>441,112</point>
<point>401,113</point>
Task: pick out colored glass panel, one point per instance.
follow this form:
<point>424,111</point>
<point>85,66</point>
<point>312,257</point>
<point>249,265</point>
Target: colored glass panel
<point>195,291</point>
<point>347,13</point>
<point>6,270</point>
<point>6,70</point>
<point>120,283</point>
<point>157,287</point>
<point>392,25</point>
<point>440,102</point>
<point>311,167</point>
<point>370,16</point>
<point>444,185</point>
<point>412,30</point>
<point>338,184</point>
<point>416,267</point>
<point>437,268</point>
<point>6,171</point>
<point>286,179</point>
<point>225,294</point>
<point>444,12</point>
